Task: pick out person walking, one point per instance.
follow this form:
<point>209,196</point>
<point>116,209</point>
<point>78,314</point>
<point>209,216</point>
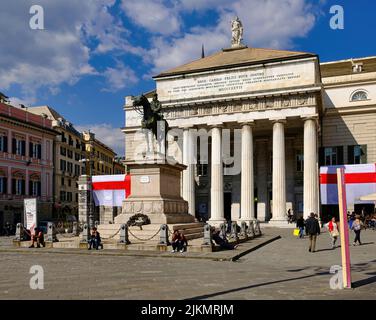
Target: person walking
<point>300,224</point>
<point>313,230</point>
<point>333,228</point>
<point>357,227</point>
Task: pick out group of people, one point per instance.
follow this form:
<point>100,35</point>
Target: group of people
<point>312,228</point>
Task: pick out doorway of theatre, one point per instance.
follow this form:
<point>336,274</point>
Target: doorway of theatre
<point>227,205</point>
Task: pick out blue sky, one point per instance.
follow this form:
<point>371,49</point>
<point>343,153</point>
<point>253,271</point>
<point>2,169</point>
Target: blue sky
<point>93,53</point>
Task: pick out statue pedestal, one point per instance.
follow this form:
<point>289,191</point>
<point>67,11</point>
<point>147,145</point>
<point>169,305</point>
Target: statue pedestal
<point>155,192</point>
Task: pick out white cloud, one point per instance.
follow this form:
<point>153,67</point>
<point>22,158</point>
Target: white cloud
<point>156,16</point>
<point>59,54</point>
<point>119,77</point>
<point>106,133</point>
<point>267,24</point>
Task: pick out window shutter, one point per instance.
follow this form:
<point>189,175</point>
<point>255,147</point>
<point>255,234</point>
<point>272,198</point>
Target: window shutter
<point>14,146</point>
<point>39,151</point>
<point>23,187</point>
<point>5,186</point>
<point>30,149</point>
<point>363,153</point>
<point>30,188</point>
<point>340,155</point>
<point>13,186</point>
<point>350,154</point>
<point>5,143</point>
<point>321,156</point>
<point>23,143</point>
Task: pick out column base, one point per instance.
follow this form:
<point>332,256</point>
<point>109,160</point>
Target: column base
<point>216,223</point>
<point>281,224</point>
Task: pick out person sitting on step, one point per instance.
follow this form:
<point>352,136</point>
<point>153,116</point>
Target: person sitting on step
<point>95,240</point>
<point>37,237</point>
<point>179,242</point>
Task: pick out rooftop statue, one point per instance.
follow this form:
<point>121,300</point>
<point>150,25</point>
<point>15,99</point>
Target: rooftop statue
<point>237,32</point>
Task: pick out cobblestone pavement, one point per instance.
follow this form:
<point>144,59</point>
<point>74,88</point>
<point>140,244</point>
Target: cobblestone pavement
<point>283,269</point>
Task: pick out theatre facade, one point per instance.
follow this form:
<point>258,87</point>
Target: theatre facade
<point>272,118</point>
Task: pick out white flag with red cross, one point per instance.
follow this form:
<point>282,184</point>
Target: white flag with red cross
<point>360,180</point>
<point>111,190</point>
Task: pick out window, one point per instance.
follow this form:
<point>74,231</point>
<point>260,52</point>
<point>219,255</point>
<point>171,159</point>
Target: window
<point>78,145</point>
<point>69,183</point>
<point>4,143</point>
<point>63,151</point>
<point>19,147</point>
<point>70,167</point>
<point>331,156</point>
<point>63,139</point>
<point>77,156</point>
<point>18,186</point>
<point>69,196</point>
<point>76,170</point>
<point>35,188</point>
<point>63,196</point>
<point>62,181</point>
<point>70,154</point>
<point>299,162</point>
<point>357,154</point>
<point>3,185</point>
<point>35,150</point>
<point>63,165</point>
<point>202,170</point>
<point>70,141</point>
<point>360,95</point>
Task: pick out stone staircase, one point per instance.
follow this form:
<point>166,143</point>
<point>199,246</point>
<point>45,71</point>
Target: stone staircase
<point>194,230</point>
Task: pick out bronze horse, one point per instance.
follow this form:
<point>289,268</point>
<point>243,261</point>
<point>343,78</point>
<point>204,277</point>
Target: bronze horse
<point>153,119</point>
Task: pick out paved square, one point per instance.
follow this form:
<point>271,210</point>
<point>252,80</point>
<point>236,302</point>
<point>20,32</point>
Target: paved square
<point>283,269</point>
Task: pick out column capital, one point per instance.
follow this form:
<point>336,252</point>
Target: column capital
<point>311,117</point>
<point>250,123</point>
<point>186,126</point>
<point>215,125</point>
<point>278,120</point>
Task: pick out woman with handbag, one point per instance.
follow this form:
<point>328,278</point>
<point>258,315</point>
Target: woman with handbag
<point>333,228</point>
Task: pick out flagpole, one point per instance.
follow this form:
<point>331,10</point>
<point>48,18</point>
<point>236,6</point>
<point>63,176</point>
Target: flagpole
<point>344,230</point>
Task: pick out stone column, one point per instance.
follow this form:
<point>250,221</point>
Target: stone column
<point>189,173</point>
<point>247,211</point>
<point>310,167</point>
<point>279,174</point>
<point>216,192</point>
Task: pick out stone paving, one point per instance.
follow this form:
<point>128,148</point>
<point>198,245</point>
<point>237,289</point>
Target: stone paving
<point>283,269</point>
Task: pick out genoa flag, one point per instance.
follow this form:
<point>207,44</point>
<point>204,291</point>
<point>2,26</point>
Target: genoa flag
<point>360,180</point>
<point>111,190</point>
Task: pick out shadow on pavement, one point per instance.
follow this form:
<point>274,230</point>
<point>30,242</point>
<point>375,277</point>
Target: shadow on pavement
<point>211,295</point>
<point>364,282</point>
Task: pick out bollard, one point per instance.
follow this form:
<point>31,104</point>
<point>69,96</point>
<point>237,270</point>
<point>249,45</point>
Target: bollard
<point>75,229</point>
<point>51,232</point>
<point>85,233</point>
<point>251,230</point>
<point>257,228</point>
<point>19,232</point>
<point>207,235</point>
<point>164,235</point>
<point>234,230</point>
<point>124,239</point>
<point>243,229</point>
<point>223,232</point>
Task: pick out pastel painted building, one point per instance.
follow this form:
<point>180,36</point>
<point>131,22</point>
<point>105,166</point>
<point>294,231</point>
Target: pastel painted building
<point>26,163</point>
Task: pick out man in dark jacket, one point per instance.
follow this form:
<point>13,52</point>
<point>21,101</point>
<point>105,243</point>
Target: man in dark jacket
<point>300,224</point>
<point>313,230</point>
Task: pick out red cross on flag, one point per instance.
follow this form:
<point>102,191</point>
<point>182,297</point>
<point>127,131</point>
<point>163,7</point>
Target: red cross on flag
<point>111,190</point>
<point>360,180</point>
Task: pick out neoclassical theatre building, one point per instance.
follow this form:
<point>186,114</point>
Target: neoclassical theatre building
<point>294,114</point>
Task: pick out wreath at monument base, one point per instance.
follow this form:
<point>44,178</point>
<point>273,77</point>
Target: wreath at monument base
<point>139,220</point>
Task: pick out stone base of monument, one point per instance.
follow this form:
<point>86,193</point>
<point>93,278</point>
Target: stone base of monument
<point>155,192</point>
<point>280,224</point>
